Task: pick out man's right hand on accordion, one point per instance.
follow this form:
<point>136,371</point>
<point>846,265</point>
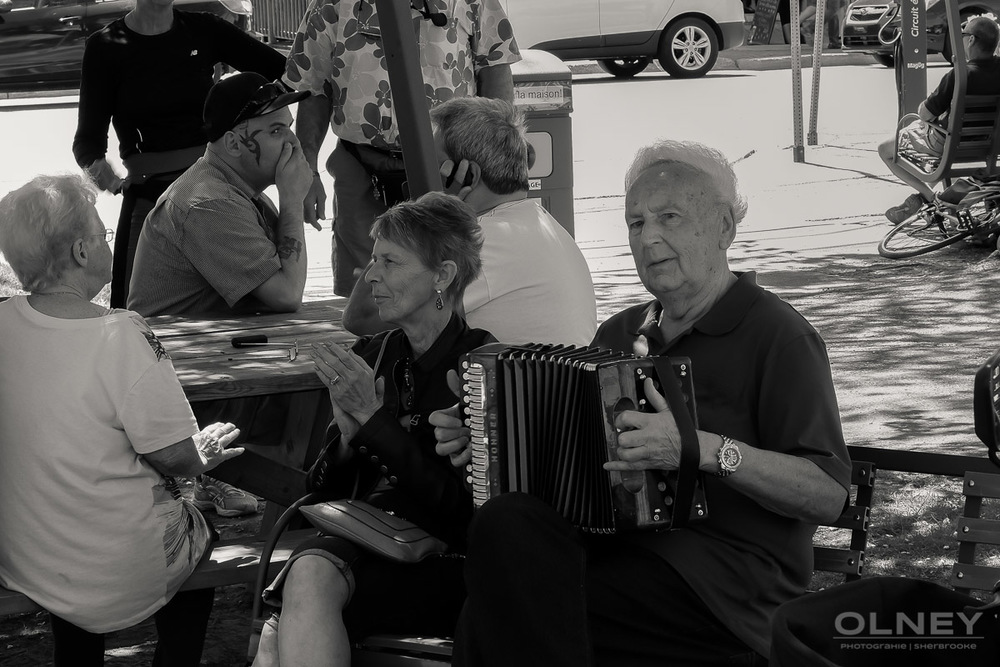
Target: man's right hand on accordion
<point>651,440</point>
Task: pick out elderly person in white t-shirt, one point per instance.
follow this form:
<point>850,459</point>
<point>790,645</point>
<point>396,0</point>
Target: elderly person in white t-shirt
<point>535,284</point>
<point>94,426</point>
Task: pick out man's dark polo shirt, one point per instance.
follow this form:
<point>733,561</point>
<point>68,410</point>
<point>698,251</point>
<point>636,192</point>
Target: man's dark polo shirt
<point>761,375</point>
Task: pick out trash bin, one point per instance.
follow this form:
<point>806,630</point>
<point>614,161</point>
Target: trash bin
<point>543,90</point>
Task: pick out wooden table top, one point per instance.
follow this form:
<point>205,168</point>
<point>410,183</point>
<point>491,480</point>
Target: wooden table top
<point>209,367</point>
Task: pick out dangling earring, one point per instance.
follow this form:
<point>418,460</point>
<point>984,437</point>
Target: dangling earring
<point>439,303</point>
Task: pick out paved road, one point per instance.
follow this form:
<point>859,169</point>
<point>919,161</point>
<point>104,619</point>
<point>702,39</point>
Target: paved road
<point>904,337</point>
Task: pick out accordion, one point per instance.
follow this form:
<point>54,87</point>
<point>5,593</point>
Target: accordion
<point>542,422</point>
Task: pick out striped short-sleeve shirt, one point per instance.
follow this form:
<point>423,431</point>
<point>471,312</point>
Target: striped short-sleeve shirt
<point>205,246</point>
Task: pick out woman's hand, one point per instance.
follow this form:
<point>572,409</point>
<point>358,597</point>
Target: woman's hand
<point>104,176</point>
<point>452,435</point>
<point>212,443</point>
<point>353,390</point>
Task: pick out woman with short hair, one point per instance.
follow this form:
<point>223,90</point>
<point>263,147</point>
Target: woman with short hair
<point>382,391</point>
<point>94,426</point>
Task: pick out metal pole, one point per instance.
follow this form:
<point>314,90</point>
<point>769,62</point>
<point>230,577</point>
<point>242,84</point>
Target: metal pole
<point>408,99</point>
<point>798,149</point>
<point>819,40</point>
<point>913,49</point>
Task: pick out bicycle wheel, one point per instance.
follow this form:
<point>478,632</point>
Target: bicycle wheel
<point>921,233</point>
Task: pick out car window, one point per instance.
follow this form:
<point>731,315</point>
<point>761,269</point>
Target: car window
<point>39,4</point>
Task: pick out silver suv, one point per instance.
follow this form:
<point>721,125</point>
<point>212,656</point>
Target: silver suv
<point>625,35</point>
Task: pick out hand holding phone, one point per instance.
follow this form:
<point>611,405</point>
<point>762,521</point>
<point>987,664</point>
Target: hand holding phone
<point>457,177</point>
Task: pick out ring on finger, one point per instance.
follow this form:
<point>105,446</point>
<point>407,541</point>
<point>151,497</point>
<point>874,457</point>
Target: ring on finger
<point>335,380</point>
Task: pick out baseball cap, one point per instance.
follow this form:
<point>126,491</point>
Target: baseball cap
<point>243,96</point>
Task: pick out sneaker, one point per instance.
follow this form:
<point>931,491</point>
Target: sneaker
<point>224,498</point>
<point>910,205</point>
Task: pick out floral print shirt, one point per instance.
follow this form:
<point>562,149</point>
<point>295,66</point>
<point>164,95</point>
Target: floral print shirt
<point>338,53</point>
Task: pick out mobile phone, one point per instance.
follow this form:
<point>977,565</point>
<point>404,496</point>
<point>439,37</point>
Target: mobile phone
<point>451,177</point>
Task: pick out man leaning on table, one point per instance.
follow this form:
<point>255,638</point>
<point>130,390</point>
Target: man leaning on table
<point>214,244</point>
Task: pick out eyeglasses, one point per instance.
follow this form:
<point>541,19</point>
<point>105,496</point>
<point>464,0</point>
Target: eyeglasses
<point>261,101</point>
<point>967,34</point>
<point>108,234</point>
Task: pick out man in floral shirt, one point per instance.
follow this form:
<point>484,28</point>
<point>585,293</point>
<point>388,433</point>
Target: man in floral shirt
<point>338,57</point>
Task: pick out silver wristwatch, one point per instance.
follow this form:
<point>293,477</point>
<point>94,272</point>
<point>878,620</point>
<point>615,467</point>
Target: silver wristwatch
<point>729,457</point>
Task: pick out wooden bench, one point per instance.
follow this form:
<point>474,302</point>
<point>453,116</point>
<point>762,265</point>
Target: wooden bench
<point>975,530</point>
<point>407,651</point>
<point>231,562</point>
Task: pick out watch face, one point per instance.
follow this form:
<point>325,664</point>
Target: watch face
<point>731,457</point>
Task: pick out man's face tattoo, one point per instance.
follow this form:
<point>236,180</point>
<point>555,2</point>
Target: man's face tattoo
<point>249,139</point>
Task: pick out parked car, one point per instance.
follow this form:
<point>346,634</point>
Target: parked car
<point>869,24</point>
<point>41,41</point>
<point>625,35</point>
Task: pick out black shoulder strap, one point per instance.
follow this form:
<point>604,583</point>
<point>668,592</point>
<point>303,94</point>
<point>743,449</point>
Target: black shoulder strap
<point>687,472</point>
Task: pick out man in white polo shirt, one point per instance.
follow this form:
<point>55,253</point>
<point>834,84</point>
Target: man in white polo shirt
<point>535,285</point>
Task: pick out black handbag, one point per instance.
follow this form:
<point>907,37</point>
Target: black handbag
<point>373,529</point>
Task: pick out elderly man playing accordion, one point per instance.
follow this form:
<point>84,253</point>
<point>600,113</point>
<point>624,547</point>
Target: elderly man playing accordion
<point>771,451</point>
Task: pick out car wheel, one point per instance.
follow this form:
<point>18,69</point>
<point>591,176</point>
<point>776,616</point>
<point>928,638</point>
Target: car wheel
<point>623,68</point>
<point>884,59</point>
<point>688,49</point>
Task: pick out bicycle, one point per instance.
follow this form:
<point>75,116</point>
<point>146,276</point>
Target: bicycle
<point>968,208</point>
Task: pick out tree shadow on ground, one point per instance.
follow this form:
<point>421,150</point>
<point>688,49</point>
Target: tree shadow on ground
<point>905,337</point>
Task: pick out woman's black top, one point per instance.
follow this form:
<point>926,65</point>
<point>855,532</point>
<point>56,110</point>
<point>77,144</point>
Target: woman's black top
<point>394,451</point>
<point>153,87</point>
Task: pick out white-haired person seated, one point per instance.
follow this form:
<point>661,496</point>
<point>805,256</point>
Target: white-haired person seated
<point>94,426</point>
<point>771,449</point>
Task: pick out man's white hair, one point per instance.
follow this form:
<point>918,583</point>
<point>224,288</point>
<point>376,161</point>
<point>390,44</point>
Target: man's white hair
<point>709,161</point>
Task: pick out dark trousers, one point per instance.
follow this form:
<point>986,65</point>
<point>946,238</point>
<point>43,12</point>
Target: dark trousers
<point>357,209</point>
<point>180,625</point>
<point>137,201</point>
<point>540,593</point>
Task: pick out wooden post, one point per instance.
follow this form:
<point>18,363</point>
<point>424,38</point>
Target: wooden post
<point>409,102</point>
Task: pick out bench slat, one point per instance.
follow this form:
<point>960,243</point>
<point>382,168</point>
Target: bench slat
<point>854,518</point>
<point>982,485</point>
<point>980,531</point>
<point>965,577</point>
<point>231,562</point>
<point>843,561</point>
<point>949,465</point>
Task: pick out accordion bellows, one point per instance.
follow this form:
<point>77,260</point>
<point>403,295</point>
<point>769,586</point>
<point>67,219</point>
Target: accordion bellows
<point>542,421</point>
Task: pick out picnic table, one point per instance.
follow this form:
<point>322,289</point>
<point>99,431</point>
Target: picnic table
<point>210,369</point>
